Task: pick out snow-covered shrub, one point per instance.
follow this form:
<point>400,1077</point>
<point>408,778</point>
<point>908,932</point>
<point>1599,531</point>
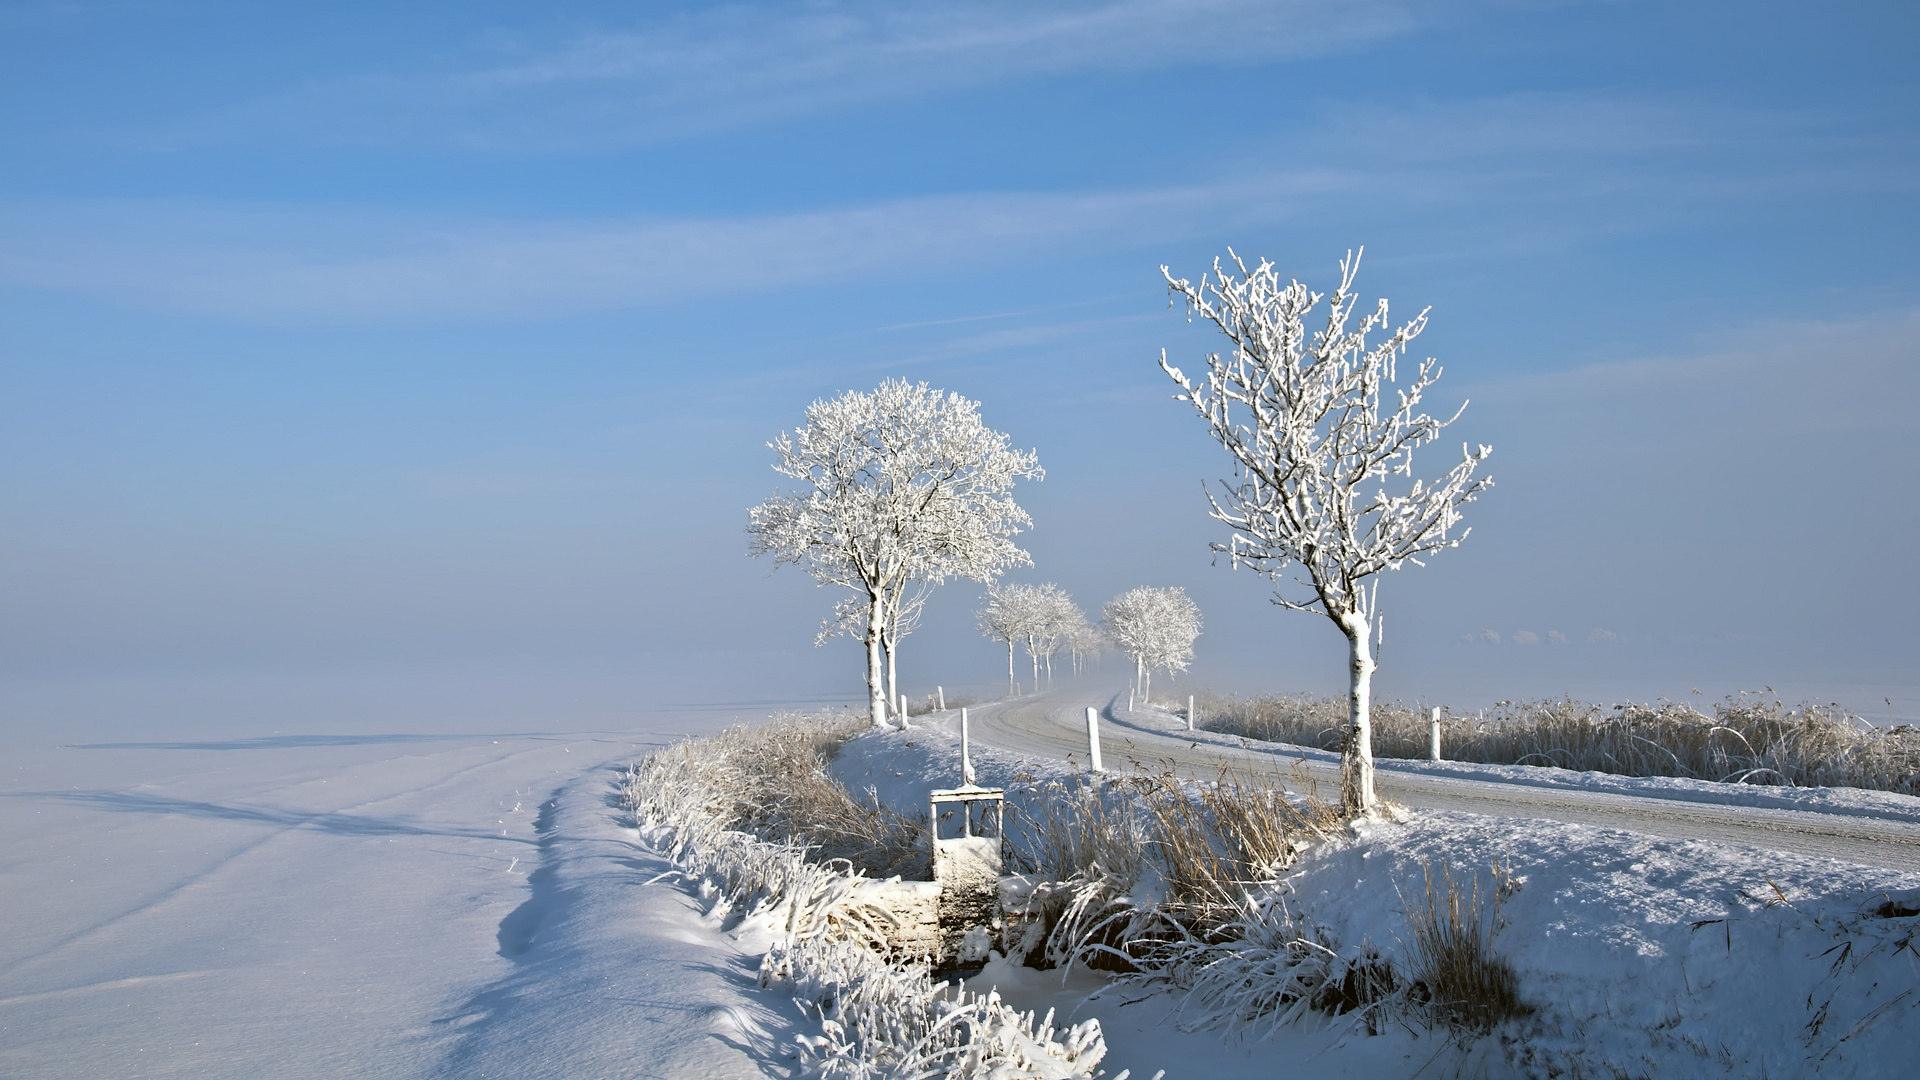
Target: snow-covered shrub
<point>1458,980</point>
<point>771,781</point>
<point>1134,866</point>
<point>1747,739</point>
<point>878,1019</point>
<point>1256,972</point>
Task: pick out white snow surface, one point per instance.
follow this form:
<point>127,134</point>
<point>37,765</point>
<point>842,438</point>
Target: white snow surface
<point>356,906</point>
<point>1640,955</point>
<point>475,905</point>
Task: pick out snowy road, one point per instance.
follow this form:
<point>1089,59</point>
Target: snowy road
<point>1053,726</point>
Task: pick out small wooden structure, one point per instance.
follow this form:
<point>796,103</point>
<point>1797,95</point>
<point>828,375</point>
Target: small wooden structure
<point>968,825</point>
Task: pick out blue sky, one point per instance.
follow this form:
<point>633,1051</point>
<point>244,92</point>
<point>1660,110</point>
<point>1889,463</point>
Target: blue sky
<point>413,364</point>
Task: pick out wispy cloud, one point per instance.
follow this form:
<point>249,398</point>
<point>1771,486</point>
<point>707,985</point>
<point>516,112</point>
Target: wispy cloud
<point>745,64</point>
<point>1517,172</point>
<point>306,270</point>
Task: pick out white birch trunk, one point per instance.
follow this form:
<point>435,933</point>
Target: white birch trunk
<point>1356,761</point>
<point>1011,692</point>
<point>876,669</point>
<point>893,685</point>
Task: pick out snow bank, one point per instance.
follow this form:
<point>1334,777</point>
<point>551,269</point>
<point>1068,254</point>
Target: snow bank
<point>829,932</point>
<point>1639,956</point>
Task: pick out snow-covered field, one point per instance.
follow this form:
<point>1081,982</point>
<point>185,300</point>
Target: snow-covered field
<point>476,905</point>
<point>354,905</point>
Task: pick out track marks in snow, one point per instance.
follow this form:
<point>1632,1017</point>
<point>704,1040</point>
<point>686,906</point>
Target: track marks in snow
<point>519,929</point>
<point>343,821</point>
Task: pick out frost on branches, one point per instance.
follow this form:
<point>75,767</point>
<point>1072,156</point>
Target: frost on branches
<point>1043,617</point>
<point>1318,433</point>
<point>902,488</point>
<point>1154,626</point>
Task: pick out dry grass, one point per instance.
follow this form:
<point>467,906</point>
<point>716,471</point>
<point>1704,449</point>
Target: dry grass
<point>1214,841</point>
<point>771,781</point>
<point>1748,739</point>
<point>1457,980</point>
<point>1200,849</point>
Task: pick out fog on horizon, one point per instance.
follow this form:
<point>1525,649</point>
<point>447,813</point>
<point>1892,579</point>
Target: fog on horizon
<point>417,374</point>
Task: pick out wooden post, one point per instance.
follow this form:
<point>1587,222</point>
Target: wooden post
<point>1129,698</point>
<point>1189,712</point>
<point>942,692</point>
<point>1433,736</point>
<point>1093,738</point>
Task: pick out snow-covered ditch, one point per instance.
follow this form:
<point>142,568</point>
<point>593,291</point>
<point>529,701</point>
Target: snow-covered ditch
<point>825,930</point>
<point>1637,956</point>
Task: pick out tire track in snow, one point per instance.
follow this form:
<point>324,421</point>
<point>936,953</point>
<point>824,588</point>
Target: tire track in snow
<point>295,821</point>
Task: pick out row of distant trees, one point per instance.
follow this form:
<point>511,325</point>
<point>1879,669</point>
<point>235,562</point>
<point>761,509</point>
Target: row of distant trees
<point>904,488</point>
<point>1154,627</point>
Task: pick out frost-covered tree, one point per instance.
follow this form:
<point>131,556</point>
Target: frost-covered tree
<point>1155,627</point>
<point>1021,615</point>
<point>1053,617</point>
<point>902,488</point>
<point>1318,432</point>
<point>1085,642</point>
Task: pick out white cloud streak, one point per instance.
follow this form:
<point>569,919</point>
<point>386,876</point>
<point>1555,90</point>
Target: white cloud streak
<point>740,65</point>
<point>1506,169</point>
<point>143,254</point>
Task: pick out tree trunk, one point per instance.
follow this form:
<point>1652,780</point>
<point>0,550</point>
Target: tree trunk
<point>893,686</point>
<point>876,669</point>
<point>1010,665</point>
<point>1035,657</point>
<point>1356,759</point>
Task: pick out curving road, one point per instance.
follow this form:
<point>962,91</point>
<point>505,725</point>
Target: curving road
<point>1053,726</point>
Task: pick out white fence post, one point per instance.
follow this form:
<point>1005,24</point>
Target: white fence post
<point>1189,712</point>
<point>942,691</point>
<point>1433,736</point>
<point>1093,738</point>
<point>966,753</point>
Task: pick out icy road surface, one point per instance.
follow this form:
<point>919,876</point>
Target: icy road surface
<point>1869,828</point>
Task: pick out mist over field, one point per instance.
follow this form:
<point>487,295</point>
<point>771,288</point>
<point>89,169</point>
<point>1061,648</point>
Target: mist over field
<point>422,374</point>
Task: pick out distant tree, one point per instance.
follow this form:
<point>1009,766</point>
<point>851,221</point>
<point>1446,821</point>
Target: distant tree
<point>1003,618</point>
<point>903,488</point>
<point>1054,617</point>
<point>1085,642</point>
<point>1156,627</point>
<point>1021,615</point>
<point>1315,439</point>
